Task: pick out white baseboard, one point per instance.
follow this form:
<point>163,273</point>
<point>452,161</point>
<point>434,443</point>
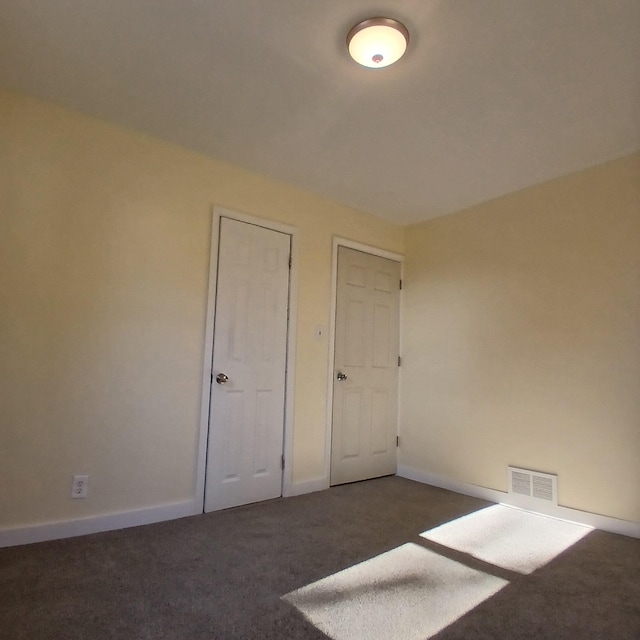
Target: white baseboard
<point>606,523</point>
<point>97,524</point>
<point>308,486</point>
<point>112,521</point>
<point>121,520</point>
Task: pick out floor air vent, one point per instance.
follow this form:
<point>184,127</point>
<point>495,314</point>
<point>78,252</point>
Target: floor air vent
<point>532,484</point>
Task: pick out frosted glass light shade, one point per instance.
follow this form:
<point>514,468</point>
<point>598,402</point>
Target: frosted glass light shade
<point>377,42</point>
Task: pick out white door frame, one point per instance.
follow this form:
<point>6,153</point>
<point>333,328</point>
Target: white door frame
<point>216,214</point>
<point>375,251</point>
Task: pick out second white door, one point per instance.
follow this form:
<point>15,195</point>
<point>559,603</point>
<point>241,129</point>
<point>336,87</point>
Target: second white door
<point>365,395</point>
<point>246,419</point>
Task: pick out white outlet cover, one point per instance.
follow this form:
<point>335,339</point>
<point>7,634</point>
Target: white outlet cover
<point>80,486</point>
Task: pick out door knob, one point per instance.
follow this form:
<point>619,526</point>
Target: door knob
<point>341,376</point>
<point>221,378</point>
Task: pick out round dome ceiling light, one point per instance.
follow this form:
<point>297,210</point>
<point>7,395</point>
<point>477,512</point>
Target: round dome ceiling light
<point>377,42</point>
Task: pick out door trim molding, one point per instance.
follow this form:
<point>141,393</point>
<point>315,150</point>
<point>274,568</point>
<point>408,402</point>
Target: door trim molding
<point>201,465</point>
<point>375,251</point>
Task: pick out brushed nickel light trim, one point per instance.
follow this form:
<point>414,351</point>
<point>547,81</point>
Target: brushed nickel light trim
<point>377,42</point>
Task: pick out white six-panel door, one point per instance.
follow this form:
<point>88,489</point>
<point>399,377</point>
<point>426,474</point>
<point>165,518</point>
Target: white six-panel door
<point>365,390</point>
<point>246,419</point>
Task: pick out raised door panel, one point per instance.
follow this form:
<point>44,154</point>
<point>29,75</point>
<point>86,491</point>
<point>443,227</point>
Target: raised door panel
<point>364,419</point>
<point>246,419</point>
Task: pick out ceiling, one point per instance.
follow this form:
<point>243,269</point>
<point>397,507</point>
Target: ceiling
<point>491,97</point>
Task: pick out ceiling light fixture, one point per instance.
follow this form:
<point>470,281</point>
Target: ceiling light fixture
<point>377,42</point>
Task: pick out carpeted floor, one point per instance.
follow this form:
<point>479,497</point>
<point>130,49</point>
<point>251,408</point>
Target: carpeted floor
<point>227,575</point>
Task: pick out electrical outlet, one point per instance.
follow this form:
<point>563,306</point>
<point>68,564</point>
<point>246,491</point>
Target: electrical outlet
<point>80,487</point>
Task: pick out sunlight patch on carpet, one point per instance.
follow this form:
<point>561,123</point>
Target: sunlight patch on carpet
<point>408,593</point>
<point>509,538</point>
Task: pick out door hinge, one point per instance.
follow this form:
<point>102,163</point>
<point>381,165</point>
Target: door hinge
<point>397,441</point>
<point>282,462</point>
<point>399,361</point>
<point>400,284</point>
<point>290,262</point>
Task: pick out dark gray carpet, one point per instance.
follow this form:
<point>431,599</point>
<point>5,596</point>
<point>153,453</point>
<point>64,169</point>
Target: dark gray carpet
<point>222,575</point>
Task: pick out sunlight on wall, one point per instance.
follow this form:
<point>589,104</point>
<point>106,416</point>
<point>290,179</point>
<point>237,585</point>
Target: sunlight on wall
<point>408,593</point>
<point>508,537</point>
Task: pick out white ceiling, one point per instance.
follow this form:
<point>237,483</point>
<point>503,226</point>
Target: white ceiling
<point>492,95</point>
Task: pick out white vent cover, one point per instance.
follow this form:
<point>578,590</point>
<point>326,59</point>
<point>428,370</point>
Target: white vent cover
<point>533,484</point>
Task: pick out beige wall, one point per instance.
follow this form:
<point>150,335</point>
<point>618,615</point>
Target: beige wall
<point>104,259</point>
<point>521,322</point>
<point>522,340</point>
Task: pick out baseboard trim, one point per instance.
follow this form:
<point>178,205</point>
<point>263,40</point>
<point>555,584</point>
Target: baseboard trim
<point>97,524</point>
<point>308,486</point>
<point>605,523</point>
<point>109,522</point>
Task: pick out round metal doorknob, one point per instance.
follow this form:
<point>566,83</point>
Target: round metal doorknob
<point>221,378</point>
<point>341,376</point>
